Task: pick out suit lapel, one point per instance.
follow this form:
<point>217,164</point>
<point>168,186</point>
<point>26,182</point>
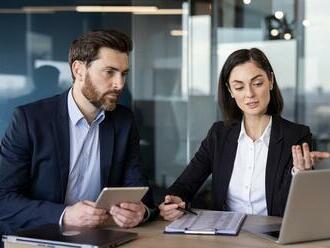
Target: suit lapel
<point>226,163</point>
<point>107,137</point>
<point>274,155</point>
<point>60,127</point>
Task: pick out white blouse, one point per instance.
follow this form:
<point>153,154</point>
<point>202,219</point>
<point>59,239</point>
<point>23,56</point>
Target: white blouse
<point>247,189</point>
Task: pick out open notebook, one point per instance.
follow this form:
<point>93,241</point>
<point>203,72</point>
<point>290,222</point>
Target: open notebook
<point>208,222</point>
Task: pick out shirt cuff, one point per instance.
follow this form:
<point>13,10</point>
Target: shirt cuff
<point>60,222</point>
<point>146,214</point>
<point>294,171</point>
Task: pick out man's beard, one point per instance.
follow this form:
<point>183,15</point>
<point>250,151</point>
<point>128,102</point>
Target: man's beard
<point>100,101</point>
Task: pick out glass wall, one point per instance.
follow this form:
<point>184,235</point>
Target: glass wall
<point>315,71</point>
<point>159,89</point>
<point>179,49</point>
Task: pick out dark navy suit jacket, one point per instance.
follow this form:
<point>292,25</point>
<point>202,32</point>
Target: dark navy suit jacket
<point>216,156</point>
<point>35,161</point>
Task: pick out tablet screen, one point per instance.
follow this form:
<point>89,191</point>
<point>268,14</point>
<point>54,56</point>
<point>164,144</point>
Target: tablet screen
<point>116,195</point>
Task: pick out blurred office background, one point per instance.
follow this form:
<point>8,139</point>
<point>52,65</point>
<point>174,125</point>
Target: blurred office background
<point>179,48</point>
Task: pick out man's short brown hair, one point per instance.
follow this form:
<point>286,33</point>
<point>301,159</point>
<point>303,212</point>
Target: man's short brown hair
<point>86,47</point>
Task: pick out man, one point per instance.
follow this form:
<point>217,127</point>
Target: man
<point>58,153</point>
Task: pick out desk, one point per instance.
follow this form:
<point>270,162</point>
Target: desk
<point>151,236</point>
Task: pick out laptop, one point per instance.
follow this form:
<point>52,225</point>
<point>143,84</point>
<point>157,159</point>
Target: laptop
<point>307,212</point>
<point>52,235</point>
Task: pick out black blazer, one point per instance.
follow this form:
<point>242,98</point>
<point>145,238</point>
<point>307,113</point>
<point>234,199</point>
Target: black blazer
<point>216,156</point>
<point>35,161</point>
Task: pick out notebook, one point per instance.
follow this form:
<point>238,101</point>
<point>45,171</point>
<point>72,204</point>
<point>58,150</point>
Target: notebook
<point>52,235</point>
<point>208,222</point>
<point>307,212</point>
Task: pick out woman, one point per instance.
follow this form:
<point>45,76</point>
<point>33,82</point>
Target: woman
<point>249,154</point>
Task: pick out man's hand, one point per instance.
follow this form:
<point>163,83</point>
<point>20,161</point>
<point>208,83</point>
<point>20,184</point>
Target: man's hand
<point>168,209</point>
<point>304,159</point>
<point>85,214</point>
<point>128,215</point>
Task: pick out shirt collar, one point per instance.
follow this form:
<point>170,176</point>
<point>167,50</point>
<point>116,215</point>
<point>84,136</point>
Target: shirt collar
<point>265,137</point>
<point>75,114</point>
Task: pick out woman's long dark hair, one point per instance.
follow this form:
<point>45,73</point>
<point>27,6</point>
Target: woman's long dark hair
<point>231,112</point>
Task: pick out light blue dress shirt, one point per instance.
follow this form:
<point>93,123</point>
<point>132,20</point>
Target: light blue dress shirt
<point>84,176</point>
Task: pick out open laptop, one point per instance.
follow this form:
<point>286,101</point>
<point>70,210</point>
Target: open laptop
<point>52,235</point>
<point>307,212</point>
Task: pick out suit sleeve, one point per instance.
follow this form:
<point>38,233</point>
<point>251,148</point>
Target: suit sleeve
<point>284,179</point>
<point>197,171</point>
<point>17,209</point>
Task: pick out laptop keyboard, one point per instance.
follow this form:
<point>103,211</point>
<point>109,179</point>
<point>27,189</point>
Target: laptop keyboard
<point>274,234</point>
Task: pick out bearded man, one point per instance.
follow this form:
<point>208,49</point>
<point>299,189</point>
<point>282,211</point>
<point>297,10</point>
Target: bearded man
<point>58,153</point>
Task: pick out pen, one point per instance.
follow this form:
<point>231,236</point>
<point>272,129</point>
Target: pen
<point>187,211</point>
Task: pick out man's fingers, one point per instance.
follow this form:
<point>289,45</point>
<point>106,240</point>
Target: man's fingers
<point>122,221</point>
<point>91,221</point>
<point>117,211</point>
<point>84,214</point>
<point>135,207</point>
<point>89,203</point>
<point>118,221</point>
<point>126,217</point>
<point>114,210</point>
<point>94,219</point>
<point>98,218</point>
<point>94,211</point>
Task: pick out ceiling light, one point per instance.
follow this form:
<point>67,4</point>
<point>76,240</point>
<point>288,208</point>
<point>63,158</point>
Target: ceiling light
<point>164,12</point>
<point>131,9</point>
<point>279,14</point>
<point>178,32</point>
<point>246,2</point>
<point>47,9</point>
<point>138,10</point>
<point>306,23</point>
<point>287,36</point>
<point>274,32</point>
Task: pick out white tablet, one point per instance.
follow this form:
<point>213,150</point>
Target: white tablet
<point>116,195</point>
